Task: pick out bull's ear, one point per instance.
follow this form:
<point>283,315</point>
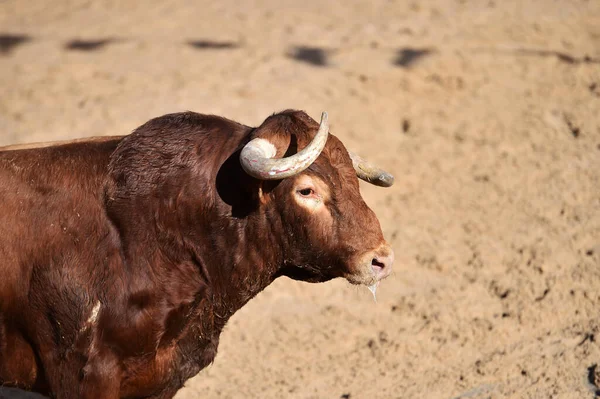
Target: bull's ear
<point>265,189</point>
<point>275,135</point>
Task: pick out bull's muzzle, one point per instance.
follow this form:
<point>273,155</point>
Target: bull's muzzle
<point>373,266</point>
<point>382,264</point>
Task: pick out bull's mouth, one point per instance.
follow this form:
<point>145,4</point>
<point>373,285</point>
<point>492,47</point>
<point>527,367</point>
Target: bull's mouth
<point>304,274</point>
<point>362,279</point>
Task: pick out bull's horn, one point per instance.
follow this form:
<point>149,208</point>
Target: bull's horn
<point>370,173</point>
<point>257,156</point>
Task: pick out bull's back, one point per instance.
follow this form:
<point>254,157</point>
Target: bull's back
<point>50,198</point>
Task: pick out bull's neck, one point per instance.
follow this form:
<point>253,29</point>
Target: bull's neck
<point>218,268</point>
<point>247,265</point>
<point>219,262</point>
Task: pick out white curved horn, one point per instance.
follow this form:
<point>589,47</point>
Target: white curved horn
<point>257,156</point>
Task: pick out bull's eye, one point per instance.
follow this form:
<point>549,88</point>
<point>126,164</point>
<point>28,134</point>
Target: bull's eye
<point>306,192</point>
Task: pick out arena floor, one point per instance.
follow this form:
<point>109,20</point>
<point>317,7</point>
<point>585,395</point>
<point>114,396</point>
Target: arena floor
<point>488,114</point>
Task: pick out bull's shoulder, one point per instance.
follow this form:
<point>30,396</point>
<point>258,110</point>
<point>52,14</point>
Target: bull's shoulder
<point>183,132</point>
<point>172,154</point>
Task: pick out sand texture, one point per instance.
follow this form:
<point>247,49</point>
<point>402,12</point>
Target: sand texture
<point>487,113</point>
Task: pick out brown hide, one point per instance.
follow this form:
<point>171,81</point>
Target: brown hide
<point>123,258</point>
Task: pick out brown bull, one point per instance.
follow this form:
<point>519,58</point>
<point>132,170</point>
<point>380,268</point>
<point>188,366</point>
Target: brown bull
<point>122,258</point>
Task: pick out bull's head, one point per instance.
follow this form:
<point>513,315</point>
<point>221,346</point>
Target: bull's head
<point>329,231</point>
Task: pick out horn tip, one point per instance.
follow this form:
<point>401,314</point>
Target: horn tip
<point>385,180</point>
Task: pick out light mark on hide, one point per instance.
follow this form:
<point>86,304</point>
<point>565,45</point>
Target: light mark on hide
<point>93,318</point>
<point>312,204</point>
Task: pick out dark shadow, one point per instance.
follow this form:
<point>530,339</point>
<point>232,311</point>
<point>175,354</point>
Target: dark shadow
<point>14,393</point>
<point>594,89</point>
<point>8,42</point>
<point>564,57</point>
<point>236,188</point>
<point>406,57</point>
<point>212,45</point>
<point>311,55</point>
<point>593,379</point>
<point>561,56</point>
<point>241,191</point>
<point>88,45</point>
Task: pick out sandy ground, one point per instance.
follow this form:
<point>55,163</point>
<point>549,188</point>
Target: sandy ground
<point>488,114</point>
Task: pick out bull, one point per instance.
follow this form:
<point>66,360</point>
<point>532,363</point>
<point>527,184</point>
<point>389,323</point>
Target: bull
<point>122,258</point>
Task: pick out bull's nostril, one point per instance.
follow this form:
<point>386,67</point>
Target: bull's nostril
<point>377,265</point>
<point>381,262</point>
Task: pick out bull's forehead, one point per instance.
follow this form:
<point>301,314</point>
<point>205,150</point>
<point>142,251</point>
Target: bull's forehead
<point>334,166</point>
<point>334,156</point>
<point>337,152</point>
<point>334,150</point>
